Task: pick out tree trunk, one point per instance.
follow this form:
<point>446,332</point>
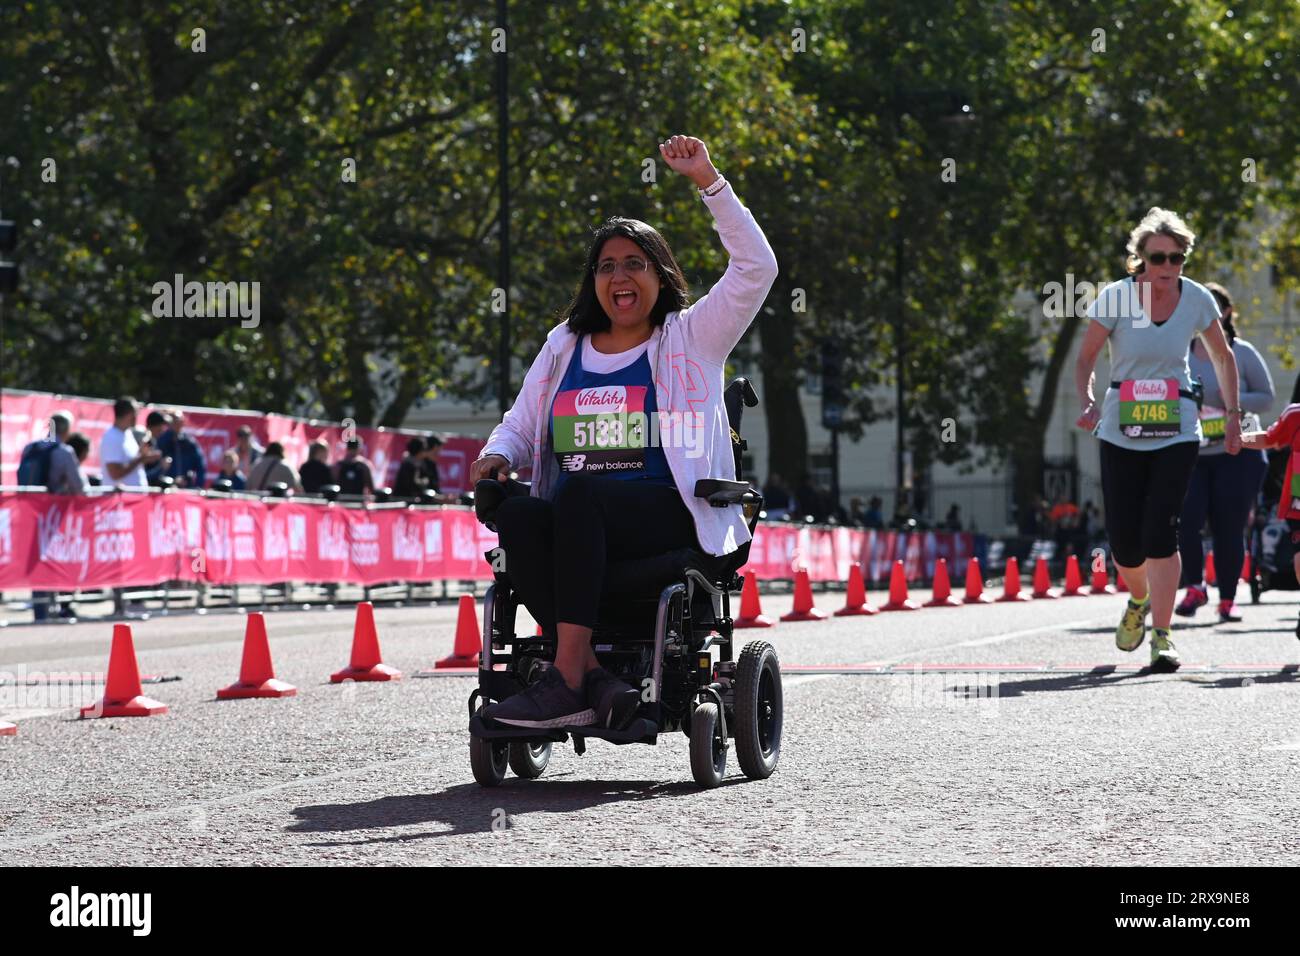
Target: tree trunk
<point>787,435</point>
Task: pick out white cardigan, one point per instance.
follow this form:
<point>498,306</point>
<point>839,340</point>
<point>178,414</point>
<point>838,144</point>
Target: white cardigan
<point>687,354</point>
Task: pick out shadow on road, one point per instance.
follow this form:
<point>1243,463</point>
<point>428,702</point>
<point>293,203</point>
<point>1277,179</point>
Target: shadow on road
<point>1091,680</point>
<point>469,808</point>
<point>1287,675</point>
<point>1102,677</point>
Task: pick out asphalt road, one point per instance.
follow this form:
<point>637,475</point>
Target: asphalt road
<point>1002,747</point>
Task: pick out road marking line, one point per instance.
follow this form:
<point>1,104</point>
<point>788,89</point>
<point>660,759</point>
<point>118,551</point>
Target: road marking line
<point>999,638</point>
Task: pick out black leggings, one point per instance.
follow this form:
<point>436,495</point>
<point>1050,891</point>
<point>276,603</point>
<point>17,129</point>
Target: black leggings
<point>556,551</point>
<point>1144,492</point>
<point>1223,487</point>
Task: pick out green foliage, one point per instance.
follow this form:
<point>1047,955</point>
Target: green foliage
<point>226,165</point>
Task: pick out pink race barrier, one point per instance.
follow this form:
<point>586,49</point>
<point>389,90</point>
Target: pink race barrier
<point>54,542</point>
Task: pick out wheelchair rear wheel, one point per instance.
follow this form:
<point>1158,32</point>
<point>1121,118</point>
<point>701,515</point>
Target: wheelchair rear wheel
<point>529,760</point>
<point>708,749</point>
<point>758,710</point>
<point>488,758</point>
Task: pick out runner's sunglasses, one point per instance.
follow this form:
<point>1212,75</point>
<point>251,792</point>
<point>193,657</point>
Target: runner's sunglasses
<point>1158,258</point>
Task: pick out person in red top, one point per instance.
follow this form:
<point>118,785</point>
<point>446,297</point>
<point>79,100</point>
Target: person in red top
<point>1285,433</point>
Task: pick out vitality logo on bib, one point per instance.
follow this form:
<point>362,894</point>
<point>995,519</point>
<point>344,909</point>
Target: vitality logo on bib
<point>600,401</point>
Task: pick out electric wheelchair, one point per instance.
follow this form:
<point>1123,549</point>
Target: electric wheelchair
<point>664,627</point>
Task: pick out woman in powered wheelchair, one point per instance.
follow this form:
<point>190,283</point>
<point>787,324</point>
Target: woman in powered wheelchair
<point>627,543</point>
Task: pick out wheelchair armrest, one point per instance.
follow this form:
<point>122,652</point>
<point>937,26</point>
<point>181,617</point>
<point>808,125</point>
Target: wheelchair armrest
<point>720,492</point>
<point>488,495</point>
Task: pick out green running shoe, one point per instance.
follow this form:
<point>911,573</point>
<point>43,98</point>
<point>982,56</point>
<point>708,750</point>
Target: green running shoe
<point>1164,656</point>
<point>1133,625</point>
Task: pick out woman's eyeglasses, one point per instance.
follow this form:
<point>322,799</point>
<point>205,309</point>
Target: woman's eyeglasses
<point>1158,258</point>
<point>631,265</point>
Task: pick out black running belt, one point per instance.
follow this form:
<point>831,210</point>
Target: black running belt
<point>1182,391</point>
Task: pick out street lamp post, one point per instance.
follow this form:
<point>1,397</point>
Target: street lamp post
<point>503,167</point>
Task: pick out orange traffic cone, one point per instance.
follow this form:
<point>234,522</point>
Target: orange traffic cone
<point>1043,581</point>
<point>1245,568</point>
<point>751,608</point>
<point>1011,586</point>
<point>366,663</point>
<point>469,642</point>
<point>123,696</point>
<point>803,601</point>
<point>7,729</point>
<point>898,599</point>
<point>1100,578</point>
<point>975,584</point>
<point>1073,578</point>
<point>942,587</point>
<point>256,675</point>
<point>1209,568</point>
<point>855,601</point>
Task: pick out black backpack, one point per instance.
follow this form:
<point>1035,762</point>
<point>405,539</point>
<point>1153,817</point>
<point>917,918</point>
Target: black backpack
<point>34,466</point>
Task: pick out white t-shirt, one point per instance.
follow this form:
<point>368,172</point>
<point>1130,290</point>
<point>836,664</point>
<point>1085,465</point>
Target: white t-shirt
<point>603,363</point>
<point>119,446</point>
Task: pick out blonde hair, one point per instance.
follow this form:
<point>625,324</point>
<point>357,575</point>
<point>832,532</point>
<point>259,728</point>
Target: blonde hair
<point>1162,222</point>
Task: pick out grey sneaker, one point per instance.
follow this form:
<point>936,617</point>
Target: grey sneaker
<point>615,702</point>
<point>1164,656</point>
<point>547,703</point>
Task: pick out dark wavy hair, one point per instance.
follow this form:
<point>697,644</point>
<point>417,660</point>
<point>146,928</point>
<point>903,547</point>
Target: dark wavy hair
<point>584,314</point>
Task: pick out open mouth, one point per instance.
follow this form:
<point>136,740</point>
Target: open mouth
<point>624,300</point>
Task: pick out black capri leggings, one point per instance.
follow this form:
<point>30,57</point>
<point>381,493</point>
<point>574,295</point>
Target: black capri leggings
<point>556,551</point>
<point>1144,492</point>
<point>1224,488</point>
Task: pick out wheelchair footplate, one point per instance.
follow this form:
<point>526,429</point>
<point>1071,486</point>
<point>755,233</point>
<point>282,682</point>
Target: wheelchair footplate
<point>640,730</point>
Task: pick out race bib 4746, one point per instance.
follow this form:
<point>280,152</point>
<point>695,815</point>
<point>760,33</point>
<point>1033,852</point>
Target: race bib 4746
<point>1149,408</point>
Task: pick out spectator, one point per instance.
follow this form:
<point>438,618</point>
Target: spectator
<point>35,462</point>
<point>271,468</point>
<point>315,471</point>
<point>187,466</point>
<point>953,521</point>
<point>156,424</point>
<point>856,515</point>
<point>64,478</point>
<point>65,466</point>
<point>806,499</point>
<point>230,469</point>
<point>429,462</point>
<point>248,450</point>
<point>120,454</point>
<point>353,472</point>
<point>776,498</point>
<point>412,479</point>
<point>1064,518</point>
<point>875,516</point>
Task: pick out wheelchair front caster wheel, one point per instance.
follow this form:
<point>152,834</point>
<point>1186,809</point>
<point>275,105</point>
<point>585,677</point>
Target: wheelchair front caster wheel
<point>708,749</point>
<point>529,760</point>
<point>488,760</point>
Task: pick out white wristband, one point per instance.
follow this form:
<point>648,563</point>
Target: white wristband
<point>713,188</point>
